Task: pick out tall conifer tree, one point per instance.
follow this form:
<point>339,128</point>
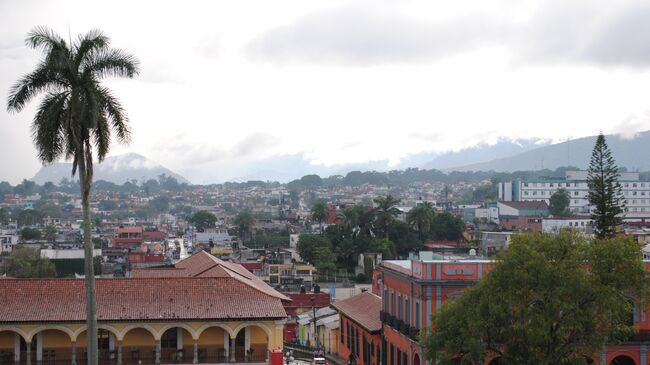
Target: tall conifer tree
<point>605,194</point>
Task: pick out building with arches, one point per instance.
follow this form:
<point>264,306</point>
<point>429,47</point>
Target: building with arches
<point>164,319</point>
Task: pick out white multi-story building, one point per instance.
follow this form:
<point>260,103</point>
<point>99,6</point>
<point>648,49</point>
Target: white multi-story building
<point>636,193</point>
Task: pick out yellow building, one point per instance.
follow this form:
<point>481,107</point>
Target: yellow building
<point>281,274</point>
<point>172,315</point>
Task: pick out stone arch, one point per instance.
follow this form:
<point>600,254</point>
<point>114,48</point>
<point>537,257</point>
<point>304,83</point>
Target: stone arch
<point>17,330</point>
<point>108,328</point>
<point>64,329</point>
<point>139,344</point>
<point>623,360</point>
<point>188,328</point>
<point>205,326</point>
<point>51,346</point>
<point>261,325</point>
<point>176,343</point>
<point>156,335</point>
<point>252,340</point>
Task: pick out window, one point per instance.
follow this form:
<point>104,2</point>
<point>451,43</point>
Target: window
<point>575,193</point>
<point>407,311</point>
<point>417,314</point>
<point>356,344</point>
<point>347,329</point>
<point>399,306</point>
<point>342,331</point>
<point>634,185</point>
<point>385,299</point>
<point>392,302</point>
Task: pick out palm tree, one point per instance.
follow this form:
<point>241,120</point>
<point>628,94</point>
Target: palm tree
<point>386,211</point>
<point>420,217</point>
<point>76,114</point>
<point>320,214</point>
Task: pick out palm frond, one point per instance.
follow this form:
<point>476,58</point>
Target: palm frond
<point>111,62</point>
<point>102,137</point>
<point>45,38</point>
<point>41,79</point>
<point>115,114</point>
<point>48,127</point>
<point>93,41</point>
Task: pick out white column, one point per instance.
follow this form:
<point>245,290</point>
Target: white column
<point>179,338</point>
<point>111,342</point>
<point>247,338</point>
<point>226,344</point>
<point>16,347</point>
<point>39,346</point>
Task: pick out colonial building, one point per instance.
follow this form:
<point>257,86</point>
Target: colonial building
<point>413,290</point>
<point>218,317</point>
<point>360,328</point>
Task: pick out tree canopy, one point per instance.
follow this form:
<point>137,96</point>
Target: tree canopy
<point>25,262</point>
<point>559,203</point>
<point>203,219</point>
<point>605,193</point>
<point>542,305</point>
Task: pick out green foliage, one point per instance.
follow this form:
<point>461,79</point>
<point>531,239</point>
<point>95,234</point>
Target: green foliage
<point>244,221</point>
<point>49,233</point>
<point>159,204</point>
<point>26,187</point>
<point>28,233</point>
<point>559,203</point>
<point>108,205</point>
<point>29,217</point>
<point>447,227</point>
<point>4,215</point>
<point>386,211</point>
<point>309,245</point>
<point>541,305</point>
<point>203,219</point>
<point>319,213</point>
<point>25,262</point>
<point>605,193</point>
<point>421,217</point>
<point>50,210</point>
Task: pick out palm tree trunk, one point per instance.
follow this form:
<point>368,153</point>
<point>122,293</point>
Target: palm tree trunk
<point>85,179</point>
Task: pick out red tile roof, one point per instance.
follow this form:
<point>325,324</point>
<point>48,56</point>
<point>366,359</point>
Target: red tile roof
<point>58,300</point>
<point>203,264</point>
<point>129,230</point>
<point>362,309</point>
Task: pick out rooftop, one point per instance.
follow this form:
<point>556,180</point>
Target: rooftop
<point>363,309</point>
<point>47,300</point>
<point>203,264</point>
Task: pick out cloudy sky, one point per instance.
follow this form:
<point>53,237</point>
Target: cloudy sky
<point>229,84</point>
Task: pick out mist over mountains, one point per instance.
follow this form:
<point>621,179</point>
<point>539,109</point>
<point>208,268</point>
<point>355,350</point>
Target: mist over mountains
<point>507,155</point>
<point>115,169</point>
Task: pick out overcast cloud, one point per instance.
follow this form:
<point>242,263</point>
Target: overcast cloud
<point>230,87</point>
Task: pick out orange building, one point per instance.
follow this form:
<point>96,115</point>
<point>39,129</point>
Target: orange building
<point>413,290</point>
<point>360,328</point>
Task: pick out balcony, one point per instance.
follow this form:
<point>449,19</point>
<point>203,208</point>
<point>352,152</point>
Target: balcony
<point>413,333</point>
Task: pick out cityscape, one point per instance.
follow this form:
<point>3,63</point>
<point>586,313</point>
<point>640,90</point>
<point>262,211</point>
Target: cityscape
<point>134,231</point>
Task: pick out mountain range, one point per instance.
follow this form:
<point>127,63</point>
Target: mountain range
<point>507,155</point>
<point>115,169</point>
